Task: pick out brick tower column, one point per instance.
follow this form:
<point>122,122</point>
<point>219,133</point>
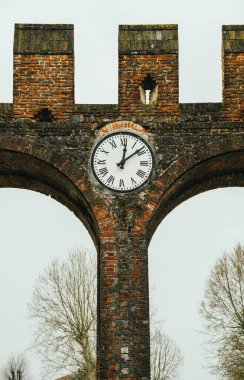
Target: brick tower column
<point>123,307</point>
<point>148,69</point>
<point>233,72</point>
<point>43,72</point>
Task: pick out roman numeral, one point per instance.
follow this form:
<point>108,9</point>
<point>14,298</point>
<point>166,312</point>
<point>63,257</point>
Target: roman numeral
<point>144,163</point>
<point>110,180</point>
<point>141,152</point>
<point>101,162</point>
<point>141,173</point>
<point>134,144</point>
<point>103,171</point>
<point>121,183</point>
<point>133,181</point>
<point>104,151</point>
<point>123,141</point>
<point>113,144</point>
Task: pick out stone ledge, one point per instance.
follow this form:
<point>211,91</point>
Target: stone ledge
<point>149,27</point>
<point>45,26</point>
<point>43,39</point>
<point>148,39</point>
<point>233,27</point>
<point>233,38</point>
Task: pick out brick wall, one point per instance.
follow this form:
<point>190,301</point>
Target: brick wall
<point>233,72</point>
<point>148,52</point>
<point>43,73</point>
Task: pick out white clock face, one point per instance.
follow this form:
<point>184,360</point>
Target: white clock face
<point>122,161</point>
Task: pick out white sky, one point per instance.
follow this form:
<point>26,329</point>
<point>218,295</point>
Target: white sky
<point>191,237</point>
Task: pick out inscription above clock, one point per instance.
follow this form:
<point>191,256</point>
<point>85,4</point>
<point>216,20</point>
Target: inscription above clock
<point>122,161</point>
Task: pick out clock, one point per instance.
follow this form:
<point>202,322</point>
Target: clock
<point>122,161</point>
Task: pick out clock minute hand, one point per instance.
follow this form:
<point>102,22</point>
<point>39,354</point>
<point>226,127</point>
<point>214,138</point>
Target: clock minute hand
<point>121,163</point>
<point>123,157</point>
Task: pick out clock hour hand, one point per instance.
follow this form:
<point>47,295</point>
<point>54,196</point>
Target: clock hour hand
<point>121,163</point>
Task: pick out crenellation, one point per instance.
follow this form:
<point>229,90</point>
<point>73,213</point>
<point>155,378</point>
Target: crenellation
<point>43,39</point>
<point>44,70</point>
<point>233,38</point>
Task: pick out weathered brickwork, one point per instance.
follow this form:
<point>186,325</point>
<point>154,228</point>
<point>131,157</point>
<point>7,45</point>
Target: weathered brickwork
<point>6,111</point>
<point>233,72</point>
<point>153,52</point>
<point>46,143</point>
<point>43,73</point>
<point>163,70</point>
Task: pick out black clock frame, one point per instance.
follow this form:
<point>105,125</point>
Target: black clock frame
<point>122,133</point>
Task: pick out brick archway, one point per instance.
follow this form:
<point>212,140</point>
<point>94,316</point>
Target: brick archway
<point>25,166</point>
<point>220,164</point>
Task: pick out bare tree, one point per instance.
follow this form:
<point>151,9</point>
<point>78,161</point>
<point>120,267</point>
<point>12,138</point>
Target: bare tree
<point>64,307</point>
<point>223,313</point>
<point>166,357</point>
<point>16,369</point>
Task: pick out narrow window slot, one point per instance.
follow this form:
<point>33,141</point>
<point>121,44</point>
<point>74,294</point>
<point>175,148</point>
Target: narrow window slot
<point>148,90</point>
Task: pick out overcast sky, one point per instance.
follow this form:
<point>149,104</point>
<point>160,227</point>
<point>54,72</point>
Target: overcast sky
<point>35,228</point>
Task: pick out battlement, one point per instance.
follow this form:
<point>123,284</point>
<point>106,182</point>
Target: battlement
<point>233,38</point>
<point>43,39</point>
<point>43,78</point>
<point>148,39</point>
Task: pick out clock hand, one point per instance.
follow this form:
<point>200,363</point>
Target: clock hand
<point>121,163</point>
<point>123,157</point>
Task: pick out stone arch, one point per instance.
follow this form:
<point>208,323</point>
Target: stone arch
<point>206,167</point>
<point>122,125</point>
<point>38,168</point>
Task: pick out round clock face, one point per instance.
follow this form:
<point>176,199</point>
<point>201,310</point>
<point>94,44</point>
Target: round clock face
<point>122,161</point>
